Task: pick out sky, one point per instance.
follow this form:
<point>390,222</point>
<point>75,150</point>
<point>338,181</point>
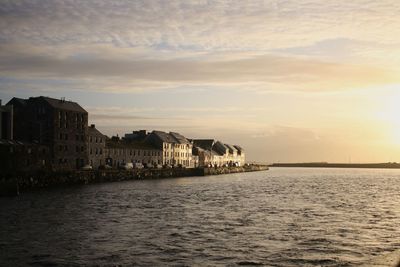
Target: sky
<point>289,81</point>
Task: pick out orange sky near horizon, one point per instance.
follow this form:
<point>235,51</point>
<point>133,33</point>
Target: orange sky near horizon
<point>290,81</point>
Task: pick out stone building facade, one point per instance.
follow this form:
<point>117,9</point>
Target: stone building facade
<point>17,156</point>
<point>120,151</point>
<point>216,153</point>
<point>6,122</point>
<point>96,147</point>
<point>61,125</point>
<point>176,149</point>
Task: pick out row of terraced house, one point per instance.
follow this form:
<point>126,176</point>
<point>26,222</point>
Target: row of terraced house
<point>47,133</point>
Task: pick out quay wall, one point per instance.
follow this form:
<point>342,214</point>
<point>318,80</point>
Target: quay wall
<point>15,183</point>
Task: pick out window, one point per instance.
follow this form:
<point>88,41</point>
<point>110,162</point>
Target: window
<point>66,148</point>
<point>61,148</point>
<point>101,151</point>
<point>90,151</point>
<point>61,136</point>
<point>66,136</point>
<point>97,151</point>
<point>82,148</point>
<point>77,148</point>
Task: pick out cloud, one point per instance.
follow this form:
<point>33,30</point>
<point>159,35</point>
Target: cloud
<point>136,46</point>
<point>198,24</point>
<point>265,72</point>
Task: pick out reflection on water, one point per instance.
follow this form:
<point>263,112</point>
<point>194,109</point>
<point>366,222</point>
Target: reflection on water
<point>282,217</point>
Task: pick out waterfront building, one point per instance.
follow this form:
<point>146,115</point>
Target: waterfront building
<point>96,147</point>
<point>176,149</point>
<point>240,154</point>
<point>121,151</point>
<point>62,127</point>
<point>6,122</point>
<point>216,153</point>
<point>17,156</point>
<point>59,124</point>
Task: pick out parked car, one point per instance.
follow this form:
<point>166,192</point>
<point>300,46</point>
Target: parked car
<point>126,166</point>
<point>87,168</point>
<point>138,165</point>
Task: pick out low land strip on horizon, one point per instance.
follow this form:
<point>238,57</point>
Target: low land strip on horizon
<point>387,165</point>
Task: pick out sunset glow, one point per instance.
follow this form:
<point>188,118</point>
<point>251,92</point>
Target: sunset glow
<point>291,81</point>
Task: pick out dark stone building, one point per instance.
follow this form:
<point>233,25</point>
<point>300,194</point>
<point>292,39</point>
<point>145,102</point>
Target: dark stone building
<point>59,124</point>
<point>16,156</point>
<point>6,122</point>
<point>96,146</point>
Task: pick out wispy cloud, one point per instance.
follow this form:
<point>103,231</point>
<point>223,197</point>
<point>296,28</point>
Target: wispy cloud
<point>261,72</point>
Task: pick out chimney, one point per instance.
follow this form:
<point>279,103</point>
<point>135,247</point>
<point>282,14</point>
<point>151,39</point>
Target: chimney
<point>0,102</point>
<point>92,126</point>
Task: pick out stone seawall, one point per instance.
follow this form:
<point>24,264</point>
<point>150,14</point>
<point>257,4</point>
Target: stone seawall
<point>19,182</point>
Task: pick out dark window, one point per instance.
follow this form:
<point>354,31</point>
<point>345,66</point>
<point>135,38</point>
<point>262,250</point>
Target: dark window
<point>101,151</point>
<point>66,136</point>
<point>82,148</point>
<point>82,138</point>
<point>77,148</point>
<point>90,151</point>
<point>61,148</point>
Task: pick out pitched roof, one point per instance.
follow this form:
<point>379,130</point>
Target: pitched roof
<point>61,104</point>
<point>204,143</point>
<point>164,137</point>
<point>231,148</point>
<point>180,138</point>
<point>16,100</point>
<point>240,149</point>
<point>94,131</point>
<point>171,137</point>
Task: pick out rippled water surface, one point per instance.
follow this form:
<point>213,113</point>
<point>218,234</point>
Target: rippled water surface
<point>280,217</point>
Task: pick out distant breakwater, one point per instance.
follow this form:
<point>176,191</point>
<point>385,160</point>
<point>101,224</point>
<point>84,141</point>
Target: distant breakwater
<point>15,183</point>
<point>388,165</point>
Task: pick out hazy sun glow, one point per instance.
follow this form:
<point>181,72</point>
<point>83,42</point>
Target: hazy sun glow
<point>296,80</point>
